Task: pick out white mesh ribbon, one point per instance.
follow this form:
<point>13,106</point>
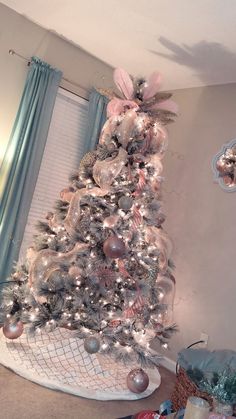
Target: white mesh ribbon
<point>58,360</point>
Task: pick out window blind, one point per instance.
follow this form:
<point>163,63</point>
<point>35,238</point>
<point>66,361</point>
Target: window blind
<point>62,153</point>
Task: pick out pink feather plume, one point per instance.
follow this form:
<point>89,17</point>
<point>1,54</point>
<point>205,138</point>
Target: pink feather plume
<point>124,83</point>
<point>153,85</point>
<point>168,105</point>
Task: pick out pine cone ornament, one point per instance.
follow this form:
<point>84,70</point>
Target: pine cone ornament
<point>86,164</point>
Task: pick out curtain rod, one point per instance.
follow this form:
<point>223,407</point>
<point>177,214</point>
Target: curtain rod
<point>12,52</point>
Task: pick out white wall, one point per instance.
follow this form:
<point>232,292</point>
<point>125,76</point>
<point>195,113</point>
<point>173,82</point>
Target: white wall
<point>201,218</point>
<point>27,38</point>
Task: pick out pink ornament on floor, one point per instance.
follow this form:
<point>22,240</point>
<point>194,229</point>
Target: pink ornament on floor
<point>13,330</point>
<point>137,380</point>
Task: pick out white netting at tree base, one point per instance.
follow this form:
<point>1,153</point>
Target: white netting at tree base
<point>58,360</point>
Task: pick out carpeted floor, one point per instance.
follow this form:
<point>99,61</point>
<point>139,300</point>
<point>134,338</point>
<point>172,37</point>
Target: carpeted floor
<point>21,399</point>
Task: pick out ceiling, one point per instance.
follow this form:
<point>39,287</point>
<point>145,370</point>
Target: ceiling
<point>191,42</point>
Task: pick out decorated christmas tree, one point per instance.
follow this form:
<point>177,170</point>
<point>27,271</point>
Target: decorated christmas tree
<point>101,262</point>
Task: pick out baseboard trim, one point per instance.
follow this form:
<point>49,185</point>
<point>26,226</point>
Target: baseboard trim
<point>168,363</point>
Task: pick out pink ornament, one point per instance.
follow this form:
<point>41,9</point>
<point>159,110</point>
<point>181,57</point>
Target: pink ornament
<point>13,330</point>
<point>114,247</point>
<point>137,380</point>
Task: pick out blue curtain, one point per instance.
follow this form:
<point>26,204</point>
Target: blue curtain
<point>96,118</point>
<point>22,160</point>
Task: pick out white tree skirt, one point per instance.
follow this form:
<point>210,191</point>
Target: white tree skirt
<point>58,360</point>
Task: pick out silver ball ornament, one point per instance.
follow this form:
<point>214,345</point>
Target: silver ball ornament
<point>137,380</point>
<point>125,203</point>
<point>91,344</point>
<point>13,330</point>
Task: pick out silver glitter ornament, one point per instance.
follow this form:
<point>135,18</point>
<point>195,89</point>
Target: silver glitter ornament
<point>137,380</point>
<point>125,203</point>
<point>91,344</point>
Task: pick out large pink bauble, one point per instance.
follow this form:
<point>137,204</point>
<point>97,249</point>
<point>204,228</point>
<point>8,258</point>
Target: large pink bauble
<point>137,380</point>
<point>13,330</point>
<point>114,247</point>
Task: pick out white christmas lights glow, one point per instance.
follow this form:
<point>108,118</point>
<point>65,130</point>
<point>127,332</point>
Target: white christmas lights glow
<point>104,346</point>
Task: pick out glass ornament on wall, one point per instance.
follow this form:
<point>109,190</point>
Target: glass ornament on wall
<point>224,167</point>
